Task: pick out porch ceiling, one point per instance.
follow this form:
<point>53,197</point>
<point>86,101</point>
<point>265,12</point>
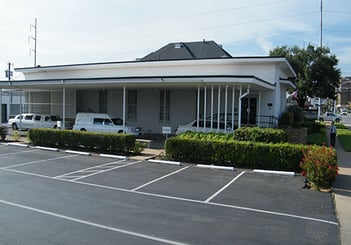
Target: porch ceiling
<point>255,83</point>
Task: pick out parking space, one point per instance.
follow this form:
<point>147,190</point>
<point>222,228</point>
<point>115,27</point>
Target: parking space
<point>71,197</point>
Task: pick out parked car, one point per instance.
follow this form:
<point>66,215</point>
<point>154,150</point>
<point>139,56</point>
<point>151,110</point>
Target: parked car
<point>101,122</point>
<point>192,127</point>
<point>68,123</point>
<point>29,120</point>
<point>330,116</point>
<point>311,114</point>
<point>345,112</point>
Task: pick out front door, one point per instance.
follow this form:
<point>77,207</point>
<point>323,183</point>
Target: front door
<point>248,111</point>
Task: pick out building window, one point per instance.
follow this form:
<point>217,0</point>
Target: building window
<point>132,104</point>
<point>103,101</point>
<point>165,104</point>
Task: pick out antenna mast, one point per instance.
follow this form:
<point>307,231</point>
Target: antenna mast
<point>35,41</point>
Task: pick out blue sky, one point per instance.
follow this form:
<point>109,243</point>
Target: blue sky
<point>84,31</point>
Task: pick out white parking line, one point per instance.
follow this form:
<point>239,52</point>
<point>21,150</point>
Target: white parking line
<point>179,198</point>
<point>162,177</point>
<point>89,169</point>
<point>85,222</point>
<point>38,161</point>
<point>224,187</point>
<point>106,170</point>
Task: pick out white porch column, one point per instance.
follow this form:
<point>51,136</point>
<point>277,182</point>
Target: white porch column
<point>205,106</point>
<point>198,109</point>
<point>212,107</point>
<point>124,109</point>
<point>233,104</point>
<point>239,109</point>
<point>219,106</point>
<point>63,126</point>
<point>226,108</point>
<point>259,110</point>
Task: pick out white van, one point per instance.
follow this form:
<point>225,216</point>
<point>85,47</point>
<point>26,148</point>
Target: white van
<point>101,122</point>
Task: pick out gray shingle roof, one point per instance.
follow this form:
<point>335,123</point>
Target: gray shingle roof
<point>188,51</point>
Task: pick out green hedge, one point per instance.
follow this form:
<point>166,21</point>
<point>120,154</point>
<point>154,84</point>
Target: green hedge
<point>239,154</point>
<point>102,142</point>
<point>257,134</point>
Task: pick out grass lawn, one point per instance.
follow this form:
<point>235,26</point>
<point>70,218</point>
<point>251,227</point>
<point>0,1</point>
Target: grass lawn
<point>344,136</point>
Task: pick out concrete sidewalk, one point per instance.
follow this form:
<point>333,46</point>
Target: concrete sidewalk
<point>342,193</point>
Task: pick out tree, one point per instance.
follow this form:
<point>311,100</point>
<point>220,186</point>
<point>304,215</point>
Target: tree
<point>316,71</point>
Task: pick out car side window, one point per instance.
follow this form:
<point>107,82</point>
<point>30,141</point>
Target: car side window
<point>108,122</point>
<point>47,118</point>
<point>28,117</point>
<point>98,121</point>
<point>37,118</point>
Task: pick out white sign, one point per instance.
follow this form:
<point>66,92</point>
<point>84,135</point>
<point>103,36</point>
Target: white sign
<point>166,130</point>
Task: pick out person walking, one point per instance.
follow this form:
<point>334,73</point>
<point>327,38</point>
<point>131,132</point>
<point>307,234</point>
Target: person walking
<point>332,134</point>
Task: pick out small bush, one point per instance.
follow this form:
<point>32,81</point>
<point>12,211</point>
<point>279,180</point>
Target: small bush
<point>319,166</point>
<point>313,126</point>
<point>257,134</point>
<point>102,142</point>
<point>294,116</point>
<point>3,133</point>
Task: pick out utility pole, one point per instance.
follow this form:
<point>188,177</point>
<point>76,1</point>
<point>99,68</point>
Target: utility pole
<point>8,72</point>
<point>321,39</point>
<point>35,27</point>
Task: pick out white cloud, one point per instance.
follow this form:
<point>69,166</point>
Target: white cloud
<point>265,45</point>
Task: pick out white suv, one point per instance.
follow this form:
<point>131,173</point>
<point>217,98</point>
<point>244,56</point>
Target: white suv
<point>28,121</point>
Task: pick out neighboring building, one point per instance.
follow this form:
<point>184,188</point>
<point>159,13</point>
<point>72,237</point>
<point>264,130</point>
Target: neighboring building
<point>174,85</point>
<point>344,93</point>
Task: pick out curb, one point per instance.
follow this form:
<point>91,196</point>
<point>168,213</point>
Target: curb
<point>215,167</point>
<point>47,148</point>
<point>165,162</point>
<point>78,152</point>
<point>18,144</point>
<point>114,156</point>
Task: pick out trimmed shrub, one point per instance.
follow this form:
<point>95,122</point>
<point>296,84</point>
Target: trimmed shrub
<point>257,134</point>
<point>206,136</point>
<point>240,154</point>
<point>3,133</point>
<point>103,142</point>
<point>294,116</point>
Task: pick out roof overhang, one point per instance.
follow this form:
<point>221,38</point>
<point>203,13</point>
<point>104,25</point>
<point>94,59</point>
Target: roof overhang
<point>140,82</point>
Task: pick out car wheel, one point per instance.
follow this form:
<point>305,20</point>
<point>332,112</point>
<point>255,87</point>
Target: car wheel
<point>83,129</point>
<point>321,119</point>
<point>120,132</point>
<point>14,126</point>
<point>337,120</point>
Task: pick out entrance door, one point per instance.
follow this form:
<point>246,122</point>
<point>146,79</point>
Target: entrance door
<point>248,110</point>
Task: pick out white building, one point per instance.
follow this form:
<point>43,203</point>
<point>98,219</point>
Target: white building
<point>172,86</point>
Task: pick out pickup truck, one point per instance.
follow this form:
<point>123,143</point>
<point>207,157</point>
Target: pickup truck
<point>27,121</point>
<point>330,116</point>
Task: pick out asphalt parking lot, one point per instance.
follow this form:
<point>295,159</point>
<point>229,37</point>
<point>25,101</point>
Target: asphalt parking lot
<point>51,197</point>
